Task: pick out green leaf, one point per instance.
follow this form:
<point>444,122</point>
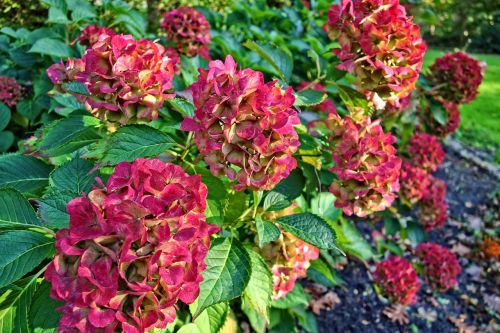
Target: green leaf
<point>6,140</point>
<point>415,232</point>
<point>51,47</point>
<point>259,289</point>
<point>76,87</point>
<point>15,210</point>
<point>189,328</point>
<point>43,314</point>
<point>24,173</point>
<point>353,98</point>
<point>216,188</point>
<point>294,298</point>
<point>227,273</point>
<point>281,62</point>
<point>57,16</point>
<point>21,251</point>
<point>351,241</point>
<point>292,185</point>
<point>309,98</point>
<point>321,273</point>
<point>439,113</point>
<point>183,106</point>
<point>257,321</point>
<point>66,135</point>
<point>236,205</point>
<point>4,116</point>
<point>266,230</point>
<point>323,205</point>
<point>213,318</point>
<point>282,322</point>
<point>14,306</point>
<point>134,141</point>
<point>75,176</point>
<point>52,208</point>
<point>310,228</point>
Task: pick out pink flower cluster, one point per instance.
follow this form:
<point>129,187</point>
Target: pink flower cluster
<point>441,267</point>
<point>289,258</point>
<point>127,80</point>
<point>433,206</point>
<point>189,31</point>
<point>397,280</point>
<point>414,182</point>
<point>132,250</point>
<point>91,33</point>
<point>327,106</point>
<point>380,45</point>
<point>366,165</point>
<point>243,127</point>
<point>426,151</point>
<point>456,77</point>
<point>10,91</point>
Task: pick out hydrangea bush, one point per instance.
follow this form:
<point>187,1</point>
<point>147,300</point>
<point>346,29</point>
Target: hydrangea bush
<point>187,178</point>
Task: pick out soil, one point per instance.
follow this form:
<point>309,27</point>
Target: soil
<point>473,198</point>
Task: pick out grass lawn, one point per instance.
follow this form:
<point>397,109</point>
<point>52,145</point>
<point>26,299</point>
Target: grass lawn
<point>480,123</point>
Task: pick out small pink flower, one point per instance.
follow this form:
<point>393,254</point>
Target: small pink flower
<point>243,127</point>
<point>10,91</point>
<point>132,250</point>
<point>425,151</point>
<point>380,45</point>
<point>441,266</point>
<point>414,182</point>
<point>456,77</point>
<point>397,280</point>
<point>366,165</point>
<point>188,30</point>
<point>433,206</point>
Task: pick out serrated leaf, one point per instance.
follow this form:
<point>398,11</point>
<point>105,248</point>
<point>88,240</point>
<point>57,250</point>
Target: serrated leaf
<point>323,205</point>
<point>216,188</point>
<point>236,205</point>
<point>24,173</point>
<point>43,314</point>
<point>14,305</point>
<point>52,208</point>
<point>213,318</point>
<point>353,98</point>
<point>4,116</point>
<point>69,134</point>
<point>134,141</point>
<point>294,298</point>
<point>51,47</point>
<point>292,185</point>
<point>310,228</point>
<point>57,16</point>
<point>281,62</point>
<point>183,106</point>
<point>76,87</point>
<point>259,289</point>
<point>275,201</point>
<point>75,176</point>
<point>20,252</point>
<point>227,273</point>
<point>309,98</point>
<point>15,210</point>
<point>351,241</point>
<point>266,230</point>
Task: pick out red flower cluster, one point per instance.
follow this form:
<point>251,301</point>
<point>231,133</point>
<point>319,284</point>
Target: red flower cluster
<point>425,151</point>
<point>90,35</point>
<point>10,91</point>
<point>366,165</point>
<point>380,45</point>
<point>456,77</point>
<point>243,126</point>
<point>327,105</point>
<point>289,258</point>
<point>441,267</point>
<point>132,250</point>
<point>188,29</point>
<point>398,280</point>
<point>126,79</point>
<point>433,206</point>
<point>414,182</point>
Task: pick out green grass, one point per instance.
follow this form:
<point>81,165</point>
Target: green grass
<point>480,125</point>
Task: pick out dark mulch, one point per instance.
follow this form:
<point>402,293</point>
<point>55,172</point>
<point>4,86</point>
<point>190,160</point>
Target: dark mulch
<point>473,208</point>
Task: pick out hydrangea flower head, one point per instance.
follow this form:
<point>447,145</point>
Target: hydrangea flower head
<point>132,250</point>
<point>414,182</point>
<point>10,91</point>
<point>433,206</point>
<point>426,151</point>
<point>457,77</point>
<point>441,266</point>
<point>366,165</point>
<point>243,127</point>
<point>90,34</point>
<point>380,45</point>
<point>188,30</point>
<point>397,280</point>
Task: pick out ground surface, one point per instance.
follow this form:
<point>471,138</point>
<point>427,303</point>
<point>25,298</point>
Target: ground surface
<point>481,119</point>
<point>471,307</point>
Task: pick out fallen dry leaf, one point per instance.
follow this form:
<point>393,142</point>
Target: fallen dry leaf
<point>428,315</point>
<point>460,249</point>
<point>461,325</point>
<point>325,302</point>
<point>397,314</point>
<point>493,302</point>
